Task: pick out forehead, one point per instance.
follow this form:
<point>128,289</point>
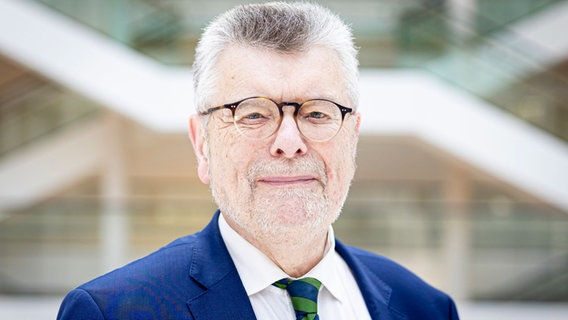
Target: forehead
<point>245,71</point>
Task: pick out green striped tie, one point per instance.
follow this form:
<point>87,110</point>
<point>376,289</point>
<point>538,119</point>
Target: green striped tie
<point>304,295</point>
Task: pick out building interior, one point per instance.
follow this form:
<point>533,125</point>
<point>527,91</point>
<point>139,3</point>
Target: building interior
<point>463,155</point>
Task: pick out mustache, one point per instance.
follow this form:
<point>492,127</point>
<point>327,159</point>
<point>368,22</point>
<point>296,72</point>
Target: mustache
<point>306,165</point>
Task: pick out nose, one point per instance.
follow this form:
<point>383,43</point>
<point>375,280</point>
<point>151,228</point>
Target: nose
<point>288,142</point>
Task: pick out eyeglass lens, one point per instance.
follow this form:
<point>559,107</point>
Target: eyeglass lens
<point>259,118</point>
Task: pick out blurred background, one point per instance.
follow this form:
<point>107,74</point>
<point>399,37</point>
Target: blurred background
<point>462,169</point>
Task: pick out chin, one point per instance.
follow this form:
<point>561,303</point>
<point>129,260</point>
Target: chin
<point>289,219</point>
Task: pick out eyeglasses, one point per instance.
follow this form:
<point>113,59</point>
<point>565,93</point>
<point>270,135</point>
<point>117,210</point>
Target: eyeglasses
<point>318,120</point>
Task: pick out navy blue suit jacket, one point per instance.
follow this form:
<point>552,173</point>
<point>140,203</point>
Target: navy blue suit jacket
<point>195,278</point>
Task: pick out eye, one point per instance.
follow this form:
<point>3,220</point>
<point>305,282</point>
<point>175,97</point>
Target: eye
<point>252,119</point>
<point>319,112</point>
<point>254,116</point>
<point>316,115</point>
<point>255,112</point>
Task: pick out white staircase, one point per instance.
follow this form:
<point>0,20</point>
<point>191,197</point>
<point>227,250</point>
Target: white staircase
<point>161,97</point>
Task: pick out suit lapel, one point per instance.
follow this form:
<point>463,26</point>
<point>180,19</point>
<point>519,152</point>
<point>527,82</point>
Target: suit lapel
<point>374,290</point>
<point>219,292</point>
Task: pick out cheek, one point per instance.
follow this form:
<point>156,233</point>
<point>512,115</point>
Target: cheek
<point>230,162</point>
<point>340,166</point>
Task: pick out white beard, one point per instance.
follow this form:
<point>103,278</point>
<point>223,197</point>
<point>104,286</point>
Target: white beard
<point>268,213</point>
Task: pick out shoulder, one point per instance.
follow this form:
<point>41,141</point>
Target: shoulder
<point>402,289</point>
<point>165,262</point>
<point>78,304</point>
<point>157,279</point>
<point>388,270</point>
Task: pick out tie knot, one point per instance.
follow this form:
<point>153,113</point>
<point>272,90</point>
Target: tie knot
<point>304,295</point>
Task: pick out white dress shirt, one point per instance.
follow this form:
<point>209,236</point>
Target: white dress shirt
<point>339,297</point>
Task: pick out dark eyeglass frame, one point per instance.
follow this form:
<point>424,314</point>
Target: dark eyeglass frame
<point>233,106</point>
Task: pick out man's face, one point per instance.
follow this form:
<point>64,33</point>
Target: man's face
<point>284,183</point>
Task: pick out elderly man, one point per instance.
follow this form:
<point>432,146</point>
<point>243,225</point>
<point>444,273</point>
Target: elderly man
<point>275,137</point>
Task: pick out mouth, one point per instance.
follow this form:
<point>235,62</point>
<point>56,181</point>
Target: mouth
<point>285,181</point>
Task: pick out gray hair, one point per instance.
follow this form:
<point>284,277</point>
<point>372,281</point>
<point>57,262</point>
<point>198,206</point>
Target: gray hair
<point>280,26</point>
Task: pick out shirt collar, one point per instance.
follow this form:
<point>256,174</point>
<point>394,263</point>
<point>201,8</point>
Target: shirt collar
<point>258,272</point>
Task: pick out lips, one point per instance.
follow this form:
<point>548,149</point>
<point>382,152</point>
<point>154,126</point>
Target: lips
<point>297,172</point>
<point>288,181</point>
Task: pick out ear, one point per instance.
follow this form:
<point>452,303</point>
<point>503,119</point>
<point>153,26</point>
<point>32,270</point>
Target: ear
<point>197,137</point>
<point>357,120</point>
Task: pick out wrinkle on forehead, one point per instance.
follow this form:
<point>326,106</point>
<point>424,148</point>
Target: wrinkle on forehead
<point>292,77</point>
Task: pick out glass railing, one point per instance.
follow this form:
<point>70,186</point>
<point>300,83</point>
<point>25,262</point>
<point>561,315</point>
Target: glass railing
<point>493,15</point>
<point>476,53</point>
<point>500,67</point>
<point>32,110</point>
<point>54,246</point>
<point>168,30</point>
<point>154,28</point>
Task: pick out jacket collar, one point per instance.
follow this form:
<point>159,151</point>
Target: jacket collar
<point>375,291</point>
<point>218,283</point>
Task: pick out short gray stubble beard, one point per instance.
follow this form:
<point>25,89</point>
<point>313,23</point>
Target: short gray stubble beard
<point>314,203</point>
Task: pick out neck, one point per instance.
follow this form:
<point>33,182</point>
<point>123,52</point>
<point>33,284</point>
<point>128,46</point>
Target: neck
<point>293,254</point>
<point>295,251</point>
